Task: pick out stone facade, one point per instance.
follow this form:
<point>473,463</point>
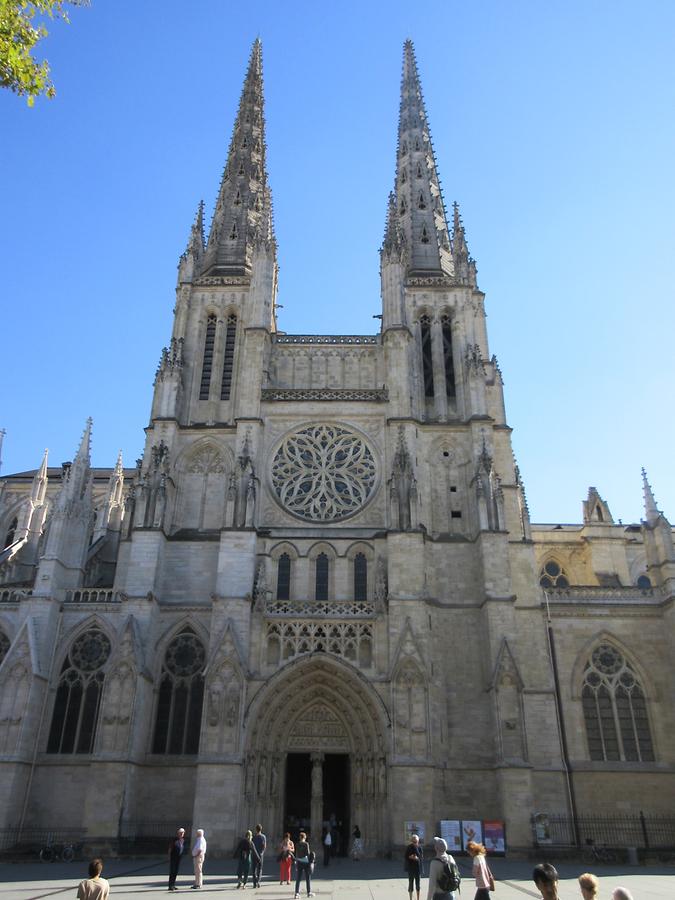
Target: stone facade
<point>324,559</point>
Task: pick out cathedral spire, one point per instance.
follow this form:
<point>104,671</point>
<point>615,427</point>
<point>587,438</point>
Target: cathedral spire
<point>196,241</point>
<point>39,486</point>
<point>418,193</point>
<point>464,265</point>
<point>652,512</point>
<point>243,213</point>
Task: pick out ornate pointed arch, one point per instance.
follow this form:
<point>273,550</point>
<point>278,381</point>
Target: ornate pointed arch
<point>274,715</point>
<point>605,636</point>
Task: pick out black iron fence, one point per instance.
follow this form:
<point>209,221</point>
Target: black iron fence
<point>648,832</point>
<point>141,838</point>
<point>17,841</point>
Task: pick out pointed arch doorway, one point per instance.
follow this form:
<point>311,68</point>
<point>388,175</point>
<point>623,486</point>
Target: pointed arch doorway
<point>316,751</point>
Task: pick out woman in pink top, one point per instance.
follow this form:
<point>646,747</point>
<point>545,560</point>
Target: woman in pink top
<point>484,880</point>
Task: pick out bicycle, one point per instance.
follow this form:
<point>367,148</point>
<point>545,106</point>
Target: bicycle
<point>600,855</point>
<point>51,852</point>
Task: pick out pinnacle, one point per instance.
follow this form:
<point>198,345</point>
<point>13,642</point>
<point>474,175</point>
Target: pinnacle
<point>85,444</point>
<point>652,512</point>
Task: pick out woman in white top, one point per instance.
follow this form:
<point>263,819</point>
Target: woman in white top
<point>436,870</point>
<point>484,880</point>
<point>198,855</point>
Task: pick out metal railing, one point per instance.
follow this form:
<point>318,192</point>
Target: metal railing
<point>649,832</point>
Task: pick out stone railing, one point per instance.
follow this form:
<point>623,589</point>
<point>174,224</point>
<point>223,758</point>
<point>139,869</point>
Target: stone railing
<point>327,339</point>
<point>378,395</point>
<point>325,609</point>
<point>92,595</point>
<point>14,595</point>
<point>591,594</point>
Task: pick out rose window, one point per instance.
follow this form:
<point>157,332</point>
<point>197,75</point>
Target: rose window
<point>323,473</point>
<point>185,655</point>
<point>90,651</point>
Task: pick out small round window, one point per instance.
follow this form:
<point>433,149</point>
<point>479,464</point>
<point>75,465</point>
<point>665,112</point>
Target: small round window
<point>552,576</point>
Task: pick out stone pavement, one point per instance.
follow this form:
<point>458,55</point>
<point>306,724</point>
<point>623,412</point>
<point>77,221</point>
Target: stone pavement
<point>343,880</point>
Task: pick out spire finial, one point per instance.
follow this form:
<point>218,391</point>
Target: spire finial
<point>652,512</point>
<point>243,212</point>
<point>419,201</point>
<point>84,449</point>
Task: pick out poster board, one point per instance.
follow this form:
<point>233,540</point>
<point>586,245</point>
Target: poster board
<point>472,830</point>
<point>451,832</point>
<point>494,836</point>
<point>414,827</point>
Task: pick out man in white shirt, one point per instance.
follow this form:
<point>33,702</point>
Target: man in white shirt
<point>198,856</point>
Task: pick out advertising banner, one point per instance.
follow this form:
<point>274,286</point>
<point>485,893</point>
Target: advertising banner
<point>451,832</point>
<point>494,837</point>
<point>472,830</point>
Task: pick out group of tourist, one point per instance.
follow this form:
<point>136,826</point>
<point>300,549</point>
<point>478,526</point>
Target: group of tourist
<point>444,876</point>
<point>546,879</point>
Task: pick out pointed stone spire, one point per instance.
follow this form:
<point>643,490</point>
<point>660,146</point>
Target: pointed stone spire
<point>394,244</point>
<point>464,265</point>
<point>77,476</point>
<point>196,242</point>
<point>84,450</point>
<point>39,486</point>
<point>418,193</point>
<point>243,213</point>
<point>652,512</point>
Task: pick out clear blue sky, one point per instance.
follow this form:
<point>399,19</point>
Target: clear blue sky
<point>554,129</point>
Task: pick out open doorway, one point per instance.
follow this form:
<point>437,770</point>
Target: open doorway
<point>298,797</point>
<point>336,792</point>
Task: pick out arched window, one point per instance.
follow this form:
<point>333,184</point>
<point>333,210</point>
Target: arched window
<point>644,583</point>
<point>181,692</point>
<point>228,361</point>
<point>4,645</point>
<point>447,356</point>
<point>615,710</point>
<point>321,582</point>
<point>11,531</point>
<point>360,577</point>
<point>207,364</point>
<point>78,696</point>
<point>427,365</point>
<point>552,576</point>
<point>284,577</point>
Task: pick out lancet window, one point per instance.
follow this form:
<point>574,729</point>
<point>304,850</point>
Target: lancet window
<point>181,694</point>
<point>615,709</point>
<point>207,363</point>
<point>4,645</point>
<point>448,364</point>
<point>321,578</point>
<point>284,577</point>
<point>427,364</point>
<point>360,577</point>
<point>78,695</point>
<point>228,361</point>
<point>11,531</point>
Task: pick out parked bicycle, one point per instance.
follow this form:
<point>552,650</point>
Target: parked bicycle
<point>592,853</point>
<point>53,852</point>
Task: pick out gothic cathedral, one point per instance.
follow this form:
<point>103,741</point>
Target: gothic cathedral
<point>319,591</point>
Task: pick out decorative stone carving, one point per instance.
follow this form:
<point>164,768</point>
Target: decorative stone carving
<point>207,459</point>
<point>344,639</point>
<point>323,473</point>
<point>318,728</point>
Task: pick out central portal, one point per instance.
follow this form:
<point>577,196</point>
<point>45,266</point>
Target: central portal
<point>316,797</point>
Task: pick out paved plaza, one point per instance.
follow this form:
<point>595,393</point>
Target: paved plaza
<point>343,880</point>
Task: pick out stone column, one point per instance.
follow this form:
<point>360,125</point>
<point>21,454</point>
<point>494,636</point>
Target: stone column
<point>316,815</point>
<point>438,367</point>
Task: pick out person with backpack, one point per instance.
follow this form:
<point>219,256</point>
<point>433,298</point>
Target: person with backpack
<point>444,876</point>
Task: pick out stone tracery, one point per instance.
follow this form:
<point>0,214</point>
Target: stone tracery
<point>323,473</point>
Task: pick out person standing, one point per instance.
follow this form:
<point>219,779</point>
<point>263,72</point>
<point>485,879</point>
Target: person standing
<point>545,878</point>
<point>286,851</point>
<point>482,874</point>
<point>94,887</point>
<point>260,844</point>
<point>436,868</point>
<point>244,853</point>
<point>303,865</point>
<point>357,844</point>
<point>412,864</point>
<point>176,850</point>
<point>198,856</point>
<point>327,847</point>
<point>589,886</point>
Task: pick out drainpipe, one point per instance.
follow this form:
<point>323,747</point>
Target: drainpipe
<point>561,725</point>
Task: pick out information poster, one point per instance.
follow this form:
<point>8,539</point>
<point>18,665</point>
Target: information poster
<point>472,830</point>
<point>494,837</point>
<point>415,827</point>
<point>451,832</point>
<point>541,828</point>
